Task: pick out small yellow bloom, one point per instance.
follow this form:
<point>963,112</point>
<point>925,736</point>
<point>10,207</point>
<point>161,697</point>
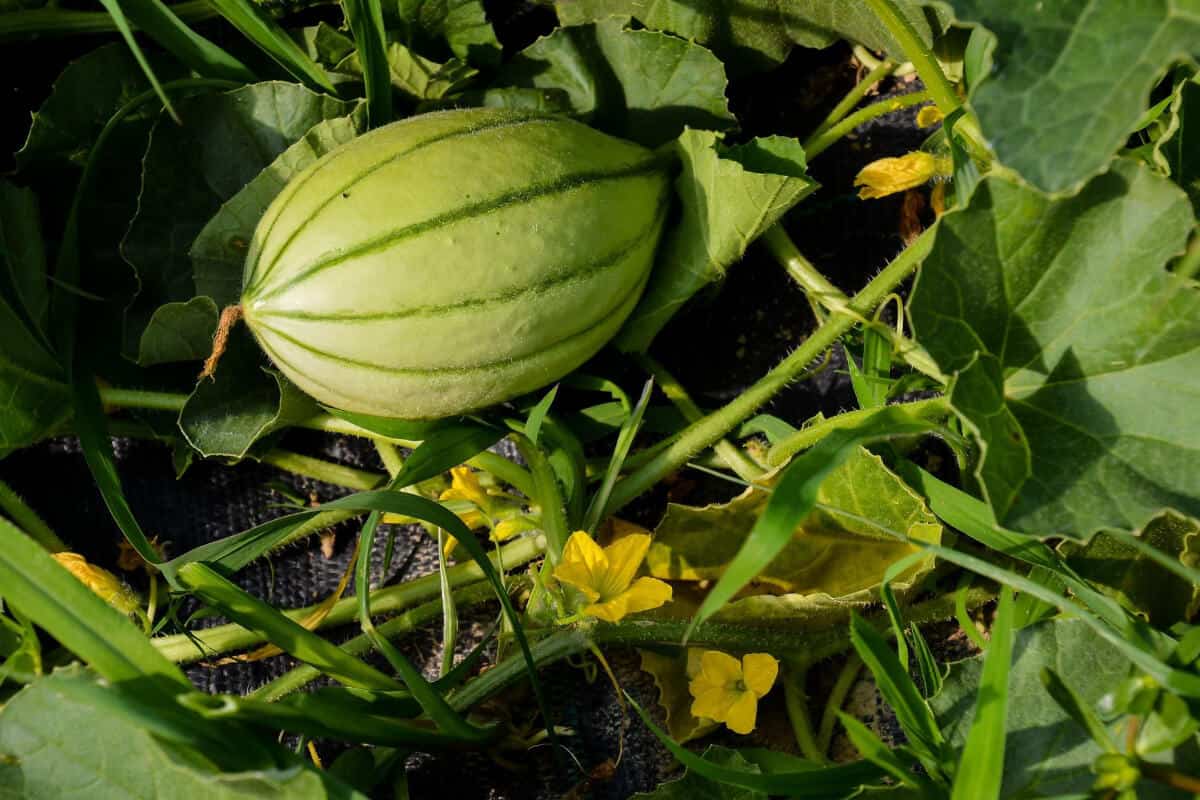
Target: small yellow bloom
<point>890,175</point>
<point>606,576</point>
<point>104,584</point>
<point>929,116</point>
<point>508,528</point>
<point>464,485</point>
<point>728,691</point>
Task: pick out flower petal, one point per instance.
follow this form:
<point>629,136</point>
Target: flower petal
<point>710,703</point>
<point>742,715</point>
<point>890,175</point>
<point>647,593</point>
<point>611,610</point>
<point>624,555</point>
<point>583,564</point>
<point>759,671</point>
<point>720,668</point>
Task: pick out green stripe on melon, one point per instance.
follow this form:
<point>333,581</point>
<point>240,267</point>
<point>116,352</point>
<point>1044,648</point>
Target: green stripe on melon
<point>453,260</point>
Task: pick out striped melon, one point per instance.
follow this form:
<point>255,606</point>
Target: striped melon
<point>453,260</point>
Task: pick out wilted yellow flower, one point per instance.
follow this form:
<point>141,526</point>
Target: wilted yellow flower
<point>728,691</point>
<point>890,175</point>
<point>464,485</point>
<point>507,528</point>
<point>606,576</point>
<point>104,584</point>
<point>929,116</point>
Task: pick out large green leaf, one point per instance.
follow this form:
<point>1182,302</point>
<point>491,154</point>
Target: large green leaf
<point>85,96</point>
<point>191,169</point>
<point>1182,150</point>
<point>242,403</point>
<point>636,84</point>
<point>418,77</point>
<point>755,34</point>
<point>1047,753</point>
<point>1078,355</point>
<point>33,392</point>
<point>729,197</point>
<point>1118,568</point>
<point>1071,78</point>
<point>840,550</point>
<point>462,24</point>
<point>61,738</point>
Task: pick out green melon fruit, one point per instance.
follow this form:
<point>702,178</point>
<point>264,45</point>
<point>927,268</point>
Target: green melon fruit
<point>453,260</point>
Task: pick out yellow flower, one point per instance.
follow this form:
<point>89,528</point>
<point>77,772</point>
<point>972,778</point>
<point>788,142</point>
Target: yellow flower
<point>605,576</point>
<point>890,175</point>
<point>728,691</point>
<point>464,485</point>
<point>929,116</point>
<point>104,584</point>
<point>507,528</point>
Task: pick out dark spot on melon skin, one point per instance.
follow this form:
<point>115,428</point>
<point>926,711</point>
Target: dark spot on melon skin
<point>345,195</point>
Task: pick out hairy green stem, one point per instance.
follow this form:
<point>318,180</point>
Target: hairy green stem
<point>733,456</point>
<point>801,648</point>
<point>877,73</point>
<point>197,645</point>
<point>821,141</point>
<point>139,398</point>
<point>52,22</point>
<point>404,623</point>
<point>796,700</point>
<point>933,408</point>
<point>940,89</point>
<point>817,287</point>
<point>705,432</point>
<point>25,518</point>
<point>337,474</point>
<point>835,701</point>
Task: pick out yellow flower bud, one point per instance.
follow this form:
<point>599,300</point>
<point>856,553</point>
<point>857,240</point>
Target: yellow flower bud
<point>104,584</point>
<point>929,116</point>
<point>890,175</point>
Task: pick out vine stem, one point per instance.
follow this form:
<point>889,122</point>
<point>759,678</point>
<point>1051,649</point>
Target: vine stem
<point>835,701</point>
<point>337,474</point>
<point>25,518</point>
<point>796,699</point>
<point>933,408</point>
<point>1189,263</point>
<point>941,91</point>
<point>822,140</point>
<point>196,645</point>
<point>707,431</point>
<point>803,648</point>
<point>877,73</point>
<point>734,457</point>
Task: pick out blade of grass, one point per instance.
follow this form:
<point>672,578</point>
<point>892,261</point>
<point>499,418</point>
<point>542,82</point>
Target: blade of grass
<point>537,414</point>
<point>794,497</point>
<point>981,766</point>
<point>818,783</point>
<point>197,53</point>
<point>366,23</point>
<point>285,633</point>
<point>28,520</point>
<point>624,441</point>
<point>258,26</point>
<point>912,712</point>
<point>449,610</point>
<point>872,748</point>
<point>74,615</point>
<point>1077,709</point>
<point>122,23</point>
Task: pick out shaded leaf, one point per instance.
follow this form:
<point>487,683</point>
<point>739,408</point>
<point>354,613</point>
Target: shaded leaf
<point>1045,109</point>
<point>462,24</point>
<point>1058,316</point>
<point>243,402</point>
<point>1047,753</point>
<point>690,786</point>
<point>672,673</point>
<point>729,197</point>
<point>179,332</point>
<point>840,550</point>
<point>635,84</point>
<point>66,741</point>
<point>415,75</point>
<point>1120,569</point>
<point>84,97</point>
<point>189,170</point>
<point>757,34</point>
